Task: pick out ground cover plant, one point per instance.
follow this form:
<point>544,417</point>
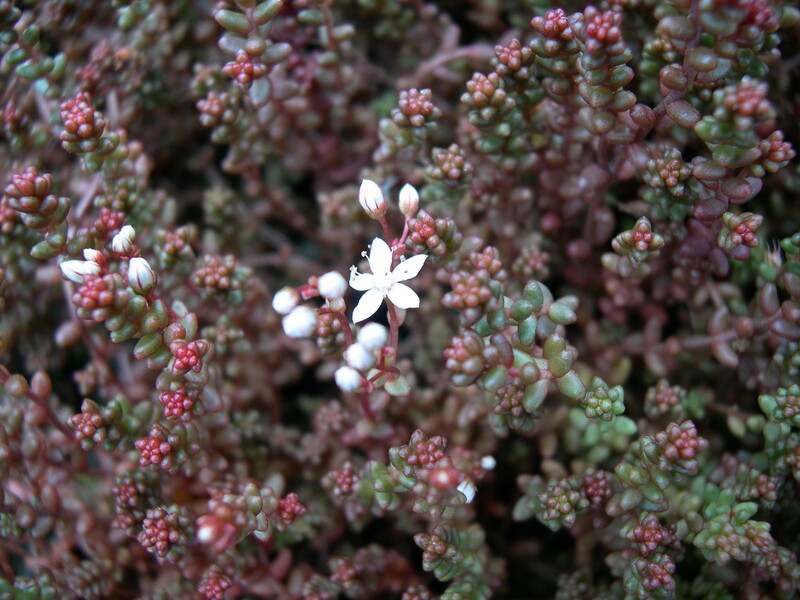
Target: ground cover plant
<point>406,299</point>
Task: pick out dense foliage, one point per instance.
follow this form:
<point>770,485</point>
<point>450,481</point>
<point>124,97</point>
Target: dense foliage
<point>565,364</point>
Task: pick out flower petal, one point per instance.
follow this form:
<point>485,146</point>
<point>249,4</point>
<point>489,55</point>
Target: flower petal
<point>409,268</point>
<point>366,307</point>
<point>380,257</point>
<point>403,296</point>
<point>361,281</point>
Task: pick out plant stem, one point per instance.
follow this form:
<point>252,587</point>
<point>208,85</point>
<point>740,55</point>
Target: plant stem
<point>348,332</point>
<point>394,325</point>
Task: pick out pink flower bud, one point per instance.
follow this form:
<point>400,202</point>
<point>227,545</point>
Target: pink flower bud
<point>372,200</point>
<point>141,276</point>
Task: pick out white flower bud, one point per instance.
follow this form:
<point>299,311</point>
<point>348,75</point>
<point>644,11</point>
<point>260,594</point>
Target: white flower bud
<point>372,200</point>
<point>141,276</point>
<point>373,336</point>
<point>94,256</point>
<point>205,534</point>
<point>348,379</point>
<point>122,243</point>
<point>488,462</point>
<point>467,487</point>
<point>285,300</point>
<point>301,322</point>
<point>79,270</point>
<point>332,286</point>
<point>359,357</point>
<point>409,200</point>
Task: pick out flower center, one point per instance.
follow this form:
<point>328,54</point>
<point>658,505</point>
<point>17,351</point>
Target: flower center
<point>384,282</point>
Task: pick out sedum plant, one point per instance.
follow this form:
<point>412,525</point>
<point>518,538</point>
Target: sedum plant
<point>422,300</point>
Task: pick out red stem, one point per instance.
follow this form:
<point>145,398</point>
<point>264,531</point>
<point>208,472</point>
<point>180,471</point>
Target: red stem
<point>385,225</point>
<point>394,325</point>
<point>348,332</point>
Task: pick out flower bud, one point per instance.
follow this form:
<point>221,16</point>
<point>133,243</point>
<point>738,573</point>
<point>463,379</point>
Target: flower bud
<point>92,255</point>
<point>122,243</point>
<point>332,286</point>
<point>348,379</point>
<point>336,305</point>
<point>373,336</point>
<point>409,200</point>
<point>359,357</point>
<point>300,322</point>
<point>285,300</point>
<point>141,276</point>
<point>467,487</point>
<point>443,478</point>
<point>488,462</point>
<point>206,533</point>
<point>372,200</point>
<point>217,532</point>
<point>79,270</point>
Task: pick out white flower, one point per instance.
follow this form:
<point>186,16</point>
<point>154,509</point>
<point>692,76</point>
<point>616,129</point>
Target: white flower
<point>467,487</point>
<point>372,200</point>
<point>300,322</point>
<point>409,200</point>
<point>383,282</point>
<point>79,270</point>
<point>141,276</point>
<point>122,243</point>
<point>359,357</point>
<point>285,300</point>
<point>332,286</point>
<point>348,379</point>
<point>373,336</point>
